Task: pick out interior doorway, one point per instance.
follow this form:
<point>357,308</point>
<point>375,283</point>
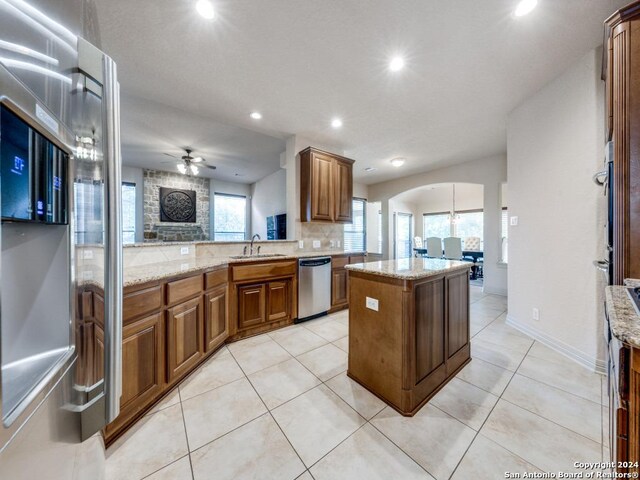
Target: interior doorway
<point>403,235</point>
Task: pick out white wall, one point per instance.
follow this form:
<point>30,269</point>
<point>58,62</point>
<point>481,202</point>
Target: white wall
<point>135,175</point>
<point>360,190</point>
<point>489,172</point>
<point>555,144</point>
<point>268,197</point>
<point>217,186</point>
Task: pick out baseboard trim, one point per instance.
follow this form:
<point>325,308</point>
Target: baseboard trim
<point>594,364</point>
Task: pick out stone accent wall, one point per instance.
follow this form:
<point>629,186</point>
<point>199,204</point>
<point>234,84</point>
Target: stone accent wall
<point>154,229</point>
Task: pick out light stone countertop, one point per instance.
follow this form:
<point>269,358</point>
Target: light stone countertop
<point>632,282</point>
<point>147,273</point>
<point>624,320</point>
<point>409,268</point>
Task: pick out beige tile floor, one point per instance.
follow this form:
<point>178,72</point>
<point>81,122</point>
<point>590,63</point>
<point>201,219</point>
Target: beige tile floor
<point>280,406</point>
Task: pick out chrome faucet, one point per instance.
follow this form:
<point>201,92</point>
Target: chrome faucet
<point>252,240</point>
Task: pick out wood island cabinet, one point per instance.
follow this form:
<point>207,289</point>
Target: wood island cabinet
<point>326,187</point>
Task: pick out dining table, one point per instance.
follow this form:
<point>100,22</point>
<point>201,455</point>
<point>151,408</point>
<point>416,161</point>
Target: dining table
<point>474,254</point>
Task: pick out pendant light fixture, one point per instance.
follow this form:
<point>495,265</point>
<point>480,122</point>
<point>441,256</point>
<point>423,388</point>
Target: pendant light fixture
<point>453,216</point>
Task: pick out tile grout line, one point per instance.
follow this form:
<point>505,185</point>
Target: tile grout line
<point>186,435</point>
<point>487,418</point>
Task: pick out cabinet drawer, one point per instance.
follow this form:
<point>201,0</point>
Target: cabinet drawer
<point>141,302</point>
<point>216,278</point>
<point>183,289</point>
<point>263,271</point>
<point>339,262</point>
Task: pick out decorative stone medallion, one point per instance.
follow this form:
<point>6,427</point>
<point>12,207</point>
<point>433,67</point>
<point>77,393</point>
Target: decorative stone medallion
<point>177,205</point>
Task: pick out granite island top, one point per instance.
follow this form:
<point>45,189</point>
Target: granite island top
<point>137,275</point>
<point>409,268</point>
<point>623,317</point>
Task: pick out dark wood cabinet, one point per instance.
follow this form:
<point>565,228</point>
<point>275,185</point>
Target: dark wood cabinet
<point>339,290</point>
<point>415,341</point>
<point>340,280</point>
<point>216,328</point>
<point>621,72</point>
<point>278,300</point>
<point>251,306</point>
<point>263,297</point>
<point>185,337</point>
<point>326,187</point>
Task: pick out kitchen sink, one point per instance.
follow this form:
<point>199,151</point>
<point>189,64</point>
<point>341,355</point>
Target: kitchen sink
<point>258,255</point>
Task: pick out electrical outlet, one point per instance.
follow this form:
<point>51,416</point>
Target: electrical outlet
<point>332,243</point>
<point>535,314</point>
<point>184,267</point>
<point>372,304</point>
<point>87,275</point>
<point>513,221</point>
<point>184,250</point>
<point>300,243</point>
<point>87,254</point>
<point>339,242</point>
<point>316,244</point>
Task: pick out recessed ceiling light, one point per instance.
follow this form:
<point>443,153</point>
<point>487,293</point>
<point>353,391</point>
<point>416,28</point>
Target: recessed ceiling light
<point>336,123</point>
<point>525,7</point>
<point>397,162</point>
<point>396,64</point>
<point>369,169</point>
<point>256,115</point>
<point>205,9</point>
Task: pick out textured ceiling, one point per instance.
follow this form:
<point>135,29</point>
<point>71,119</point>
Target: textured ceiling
<point>302,62</point>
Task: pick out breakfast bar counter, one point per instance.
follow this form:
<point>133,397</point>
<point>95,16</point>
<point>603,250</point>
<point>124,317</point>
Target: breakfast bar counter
<point>408,328</point>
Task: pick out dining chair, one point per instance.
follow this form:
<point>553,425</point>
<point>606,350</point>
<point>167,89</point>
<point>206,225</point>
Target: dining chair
<point>472,244</point>
<point>452,248</point>
<point>434,247</point>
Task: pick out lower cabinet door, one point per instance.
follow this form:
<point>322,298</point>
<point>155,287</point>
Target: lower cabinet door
<point>251,305</point>
<point>430,328</point>
<point>279,300</point>
<point>458,312</point>
<point>339,288</point>
<point>216,327</point>
<point>143,360</point>
<point>185,332</point>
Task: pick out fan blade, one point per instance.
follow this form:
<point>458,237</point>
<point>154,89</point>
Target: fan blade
<point>197,159</point>
<point>169,155</point>
<point>212,167</point>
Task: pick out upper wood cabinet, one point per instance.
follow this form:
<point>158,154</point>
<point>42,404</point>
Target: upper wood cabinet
<point>326,187</point>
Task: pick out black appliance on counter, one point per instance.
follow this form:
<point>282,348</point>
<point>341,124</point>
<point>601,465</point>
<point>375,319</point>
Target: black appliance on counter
<point>277,227</point>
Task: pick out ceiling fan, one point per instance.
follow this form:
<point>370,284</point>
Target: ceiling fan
<point>189,165</point>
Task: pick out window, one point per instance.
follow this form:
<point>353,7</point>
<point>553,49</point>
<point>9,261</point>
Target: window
<point>470,223</point>
<point>354,233</point>
<point>128,212</point>
<point>404,235</point>
<point>436,225</point>
<point>230,217</point>
<point>505,235</point>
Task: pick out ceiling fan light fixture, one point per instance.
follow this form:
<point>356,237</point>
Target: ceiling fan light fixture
<point>194,169</point>
<point>205,9</point>
<point>182,168</point>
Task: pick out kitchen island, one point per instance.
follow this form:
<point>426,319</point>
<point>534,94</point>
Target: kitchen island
<point>408,328</point>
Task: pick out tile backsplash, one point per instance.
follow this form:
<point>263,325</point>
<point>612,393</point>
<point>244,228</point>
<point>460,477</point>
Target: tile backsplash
<point>325,233</point>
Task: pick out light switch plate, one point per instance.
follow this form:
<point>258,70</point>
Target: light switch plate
<point>372,304</point>
<point>184,251</point>
<point>513,221</point>
<point>316,244</point>
<point>535,314</point>
<point>87,254</point>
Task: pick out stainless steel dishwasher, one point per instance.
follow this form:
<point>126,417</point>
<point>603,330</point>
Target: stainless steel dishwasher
<point>314,287</point>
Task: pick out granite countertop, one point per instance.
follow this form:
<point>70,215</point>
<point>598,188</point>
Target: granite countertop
<point>147,273</point>
<point>409,268</point>
<point>624,320</point>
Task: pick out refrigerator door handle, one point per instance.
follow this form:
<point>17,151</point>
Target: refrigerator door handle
<point>113,241</point>
<point>600,178</point>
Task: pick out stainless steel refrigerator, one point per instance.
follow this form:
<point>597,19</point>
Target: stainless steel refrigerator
<point>60,241</point>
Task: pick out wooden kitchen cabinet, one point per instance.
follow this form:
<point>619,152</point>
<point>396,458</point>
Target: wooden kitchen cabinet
<point>185,337</point>
<point>263,297</point>
<point>326,187</point>
<point>216,328</point>
<point>251,306</point>
<point>340,280</point>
